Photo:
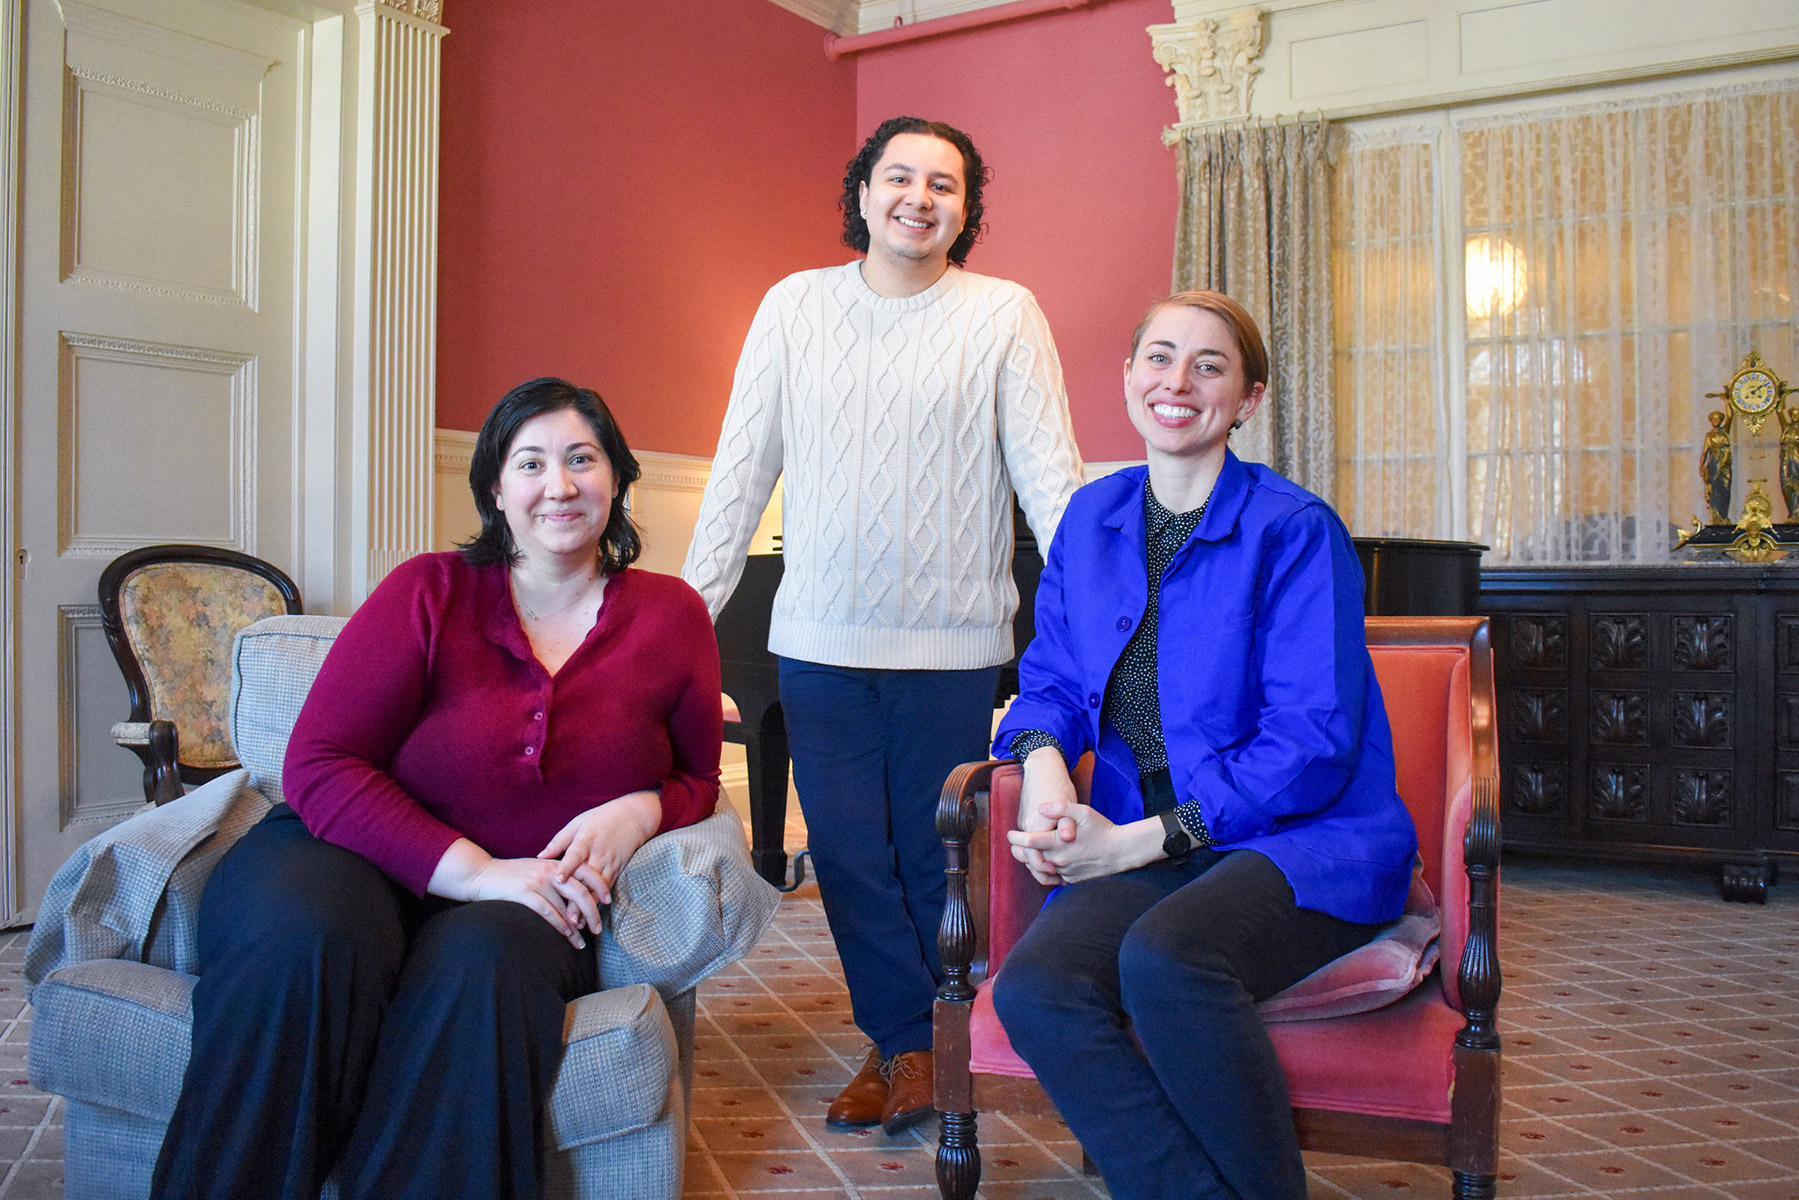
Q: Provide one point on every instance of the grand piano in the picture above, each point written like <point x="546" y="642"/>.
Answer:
<point x="1403" y="577"/>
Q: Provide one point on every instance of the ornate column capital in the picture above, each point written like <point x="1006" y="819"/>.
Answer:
<point x="429" y="11"/>
<point x="1212" y="65"/>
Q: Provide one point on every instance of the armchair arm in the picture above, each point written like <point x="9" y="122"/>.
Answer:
<point x="687" y="905"/>
<point x="133" y="892"/>
<point x="962" y="935"/>
<point x="158" y="745"/>
<point x="1475" y="1102"/>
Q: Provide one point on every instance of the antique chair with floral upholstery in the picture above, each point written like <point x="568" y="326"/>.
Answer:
<point x="170" y="613"/>
<point x="1377" y="1066"/>
<point x="112" y="959"/>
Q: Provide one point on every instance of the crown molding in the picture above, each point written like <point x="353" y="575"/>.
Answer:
<point x="834" y="16"/>
<point x="847" y="17"/>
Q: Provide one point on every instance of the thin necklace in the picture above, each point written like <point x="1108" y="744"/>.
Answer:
<point x="534" y="615"/>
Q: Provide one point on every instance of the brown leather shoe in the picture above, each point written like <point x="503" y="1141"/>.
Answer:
<point x="911" y="1083"/>
<point x="863" y="1099"/>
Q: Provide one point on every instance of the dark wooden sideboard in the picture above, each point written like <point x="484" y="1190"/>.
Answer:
<point x="1651" y="714"/>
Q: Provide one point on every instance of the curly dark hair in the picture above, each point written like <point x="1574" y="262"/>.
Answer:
<point x="620" y="543"/>
<point x="976" y="175"/>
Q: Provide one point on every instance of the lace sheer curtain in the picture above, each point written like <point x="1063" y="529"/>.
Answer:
<point x="1393" y="421"/>
<point x="1254" y="223"/>
<point x="1617" y="260"/>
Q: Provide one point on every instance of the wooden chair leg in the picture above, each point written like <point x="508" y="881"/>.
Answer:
<point x="1475" y="1187"/>
<point x="958" y="1156"/>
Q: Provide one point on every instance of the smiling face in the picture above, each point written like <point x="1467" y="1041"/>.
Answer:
<point x="556" y="488"/>
<point x="1186" y="384"/>
<point x="914" y="201"/>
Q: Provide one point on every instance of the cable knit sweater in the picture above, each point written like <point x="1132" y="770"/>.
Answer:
<point x="903" y="425"/>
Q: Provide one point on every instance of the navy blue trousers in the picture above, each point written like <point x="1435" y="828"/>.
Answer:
<point x="871" y="749"/>
<point x="1187" y="1099"/>
<point x="340" y="1022"/>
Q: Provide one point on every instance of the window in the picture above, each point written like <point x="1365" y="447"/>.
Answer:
<point x="1613" y="262"/>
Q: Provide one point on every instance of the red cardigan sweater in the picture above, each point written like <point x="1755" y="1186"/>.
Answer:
<point x="432" y="720"/>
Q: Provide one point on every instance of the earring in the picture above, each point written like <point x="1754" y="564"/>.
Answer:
<point x="1236" y="424"/>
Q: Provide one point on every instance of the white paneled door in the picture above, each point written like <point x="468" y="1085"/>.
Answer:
<point x="156" y="353"/>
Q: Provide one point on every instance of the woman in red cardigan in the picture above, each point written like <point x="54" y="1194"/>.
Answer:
<point x="385" y="959"/>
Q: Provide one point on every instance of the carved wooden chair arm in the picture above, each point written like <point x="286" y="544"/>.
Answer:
<point x="1474" y="1137"/>
<point x="958" y="938"/>
<point x="158" y="745"/>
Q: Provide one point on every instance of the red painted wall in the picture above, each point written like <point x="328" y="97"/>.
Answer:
<point x="621" y="182"/>
<point x="1068" y="110"/>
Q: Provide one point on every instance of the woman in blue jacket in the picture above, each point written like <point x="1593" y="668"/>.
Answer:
<point x="1200" y="629"/>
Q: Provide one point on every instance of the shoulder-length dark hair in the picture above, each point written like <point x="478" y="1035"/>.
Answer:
<point x="975" y="176"/>
<point x="619" y="542"/>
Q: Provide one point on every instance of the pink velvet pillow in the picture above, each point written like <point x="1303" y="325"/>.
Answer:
<point x="1370" y="976"/>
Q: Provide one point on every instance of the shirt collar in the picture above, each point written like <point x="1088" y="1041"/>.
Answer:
<point x="1158" y="519"/>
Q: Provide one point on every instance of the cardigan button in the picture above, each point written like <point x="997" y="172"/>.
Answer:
<point x="530" y="750"/>
<point x="1124" y="623"/>
<point x="1092" y="699"/>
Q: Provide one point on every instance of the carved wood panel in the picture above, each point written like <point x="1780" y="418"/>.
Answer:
<point x="1537" y="789"/>
<point x="1540" y="642"/>
<point x="1618" y="641"/>
<point x="1701" y="719"/>
<point x="1704" y="643"/>
<point x="1786" y="814"/>
<point x="1619" y="792"/>
<point x="1619" y="718"/>
<point x="1702" y="797"/>
<point x="1540" y="715"/>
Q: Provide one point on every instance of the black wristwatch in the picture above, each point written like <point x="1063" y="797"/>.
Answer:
<point x="1175" y="841"/>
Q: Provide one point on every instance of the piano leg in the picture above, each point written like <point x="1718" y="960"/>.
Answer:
<point x="765" y="753"/>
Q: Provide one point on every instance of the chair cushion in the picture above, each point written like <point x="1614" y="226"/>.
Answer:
<point x="616" y="1074"/>
<point x="1372" y="975"/>
<point x="1396" y="1061"/>
<point x="272" y="668"/>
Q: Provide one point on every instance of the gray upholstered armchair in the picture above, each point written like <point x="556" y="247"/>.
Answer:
<point x="111" y="964"/>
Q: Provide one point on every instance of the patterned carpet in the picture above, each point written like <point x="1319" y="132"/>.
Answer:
<point x="1652" y="1050"/>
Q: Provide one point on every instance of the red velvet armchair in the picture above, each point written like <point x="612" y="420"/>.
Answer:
<point x="1417" y="1080"/>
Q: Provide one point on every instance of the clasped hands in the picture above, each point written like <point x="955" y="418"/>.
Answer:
<point x="1060" y="839"/>
<point x="570" y="878"/>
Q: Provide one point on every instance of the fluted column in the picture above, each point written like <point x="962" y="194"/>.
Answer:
<point x="396" y="284"/>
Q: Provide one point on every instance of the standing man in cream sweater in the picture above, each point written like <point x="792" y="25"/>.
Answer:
<point x="906" y="399"/>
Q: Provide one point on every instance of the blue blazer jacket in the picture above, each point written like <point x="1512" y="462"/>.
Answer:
<point x="1270" y="707"/>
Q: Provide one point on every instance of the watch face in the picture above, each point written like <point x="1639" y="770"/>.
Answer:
<point x="1753" y="391"/>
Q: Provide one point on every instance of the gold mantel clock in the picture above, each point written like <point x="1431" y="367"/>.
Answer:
<point x="1754" y="391"/>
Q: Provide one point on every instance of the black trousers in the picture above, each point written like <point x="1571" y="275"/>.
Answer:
<point x="342" y="1023"/>
<point x="1188" y="1099"/>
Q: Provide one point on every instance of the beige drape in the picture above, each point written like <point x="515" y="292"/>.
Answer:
<point x="1255" y="222"/>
